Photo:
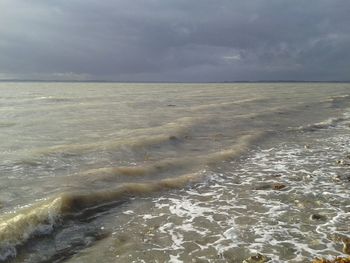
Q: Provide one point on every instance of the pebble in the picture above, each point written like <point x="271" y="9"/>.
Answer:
<point x="318" y="217"/>
<point x="275" y="186"/>
<point x="346" y="247"/>
<point x="173" y="138"/>
<point x="258" y="258"/>
<point x="343" y="162"/>
<point x="278" y="186"/>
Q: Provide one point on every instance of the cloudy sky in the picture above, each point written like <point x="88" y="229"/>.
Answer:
<point x="175" y="40"/>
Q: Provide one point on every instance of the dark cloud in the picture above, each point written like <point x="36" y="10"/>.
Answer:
<point x="183" y="40"/>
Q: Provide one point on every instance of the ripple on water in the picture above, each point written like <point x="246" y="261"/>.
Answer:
<point x="228" y="218"/>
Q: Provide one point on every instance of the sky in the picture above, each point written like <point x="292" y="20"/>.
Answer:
<point x="175" y="40"/>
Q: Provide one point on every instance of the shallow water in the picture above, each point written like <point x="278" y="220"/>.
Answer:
<point x="173" y="172"/>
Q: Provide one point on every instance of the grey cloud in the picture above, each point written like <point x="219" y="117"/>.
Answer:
<point x="183" y="40"/>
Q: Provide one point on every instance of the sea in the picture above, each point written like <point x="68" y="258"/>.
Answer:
<point x="157" y="172"/>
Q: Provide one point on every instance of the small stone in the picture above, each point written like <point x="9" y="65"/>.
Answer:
<point x="307" y="146"/>
<point x="278" y="186"/>
<point x="275" y="186"/>
<point x="335" y="260"/>
<point x="346" y="247"/>
<point x="336" y="177"/>
<point x="258" y="258"/>
<point x="173" y="138"/>
<point x="343" y="162"/>
<point x="318" y="217"/>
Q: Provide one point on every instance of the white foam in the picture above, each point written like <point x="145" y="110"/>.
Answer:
<point x="128" y="212"/>
<point x="175" y="259"/>
<point x="229" y="215"/>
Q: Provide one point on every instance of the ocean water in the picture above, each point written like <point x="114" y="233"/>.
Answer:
<point x="106" y="172"/>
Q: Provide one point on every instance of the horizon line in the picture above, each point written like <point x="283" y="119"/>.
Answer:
<point x="170" y="82"/>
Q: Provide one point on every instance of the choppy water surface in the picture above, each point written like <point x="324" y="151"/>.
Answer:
<point x="173" y="172"/>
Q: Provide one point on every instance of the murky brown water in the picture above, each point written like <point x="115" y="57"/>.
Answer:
<point x="173" y="172"/>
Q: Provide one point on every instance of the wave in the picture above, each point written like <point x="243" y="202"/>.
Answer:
<point x="171" y="164"/>
<point x="179" y="128"/>
<point x="328" y="123"/>
<point x="18" y="228"/>
<point x="42" y="218"/>
<point x="45" y="216"/>
<point x="133" y="138"/>
<point x="335" y="101"/>
<point x="225" y="104"/>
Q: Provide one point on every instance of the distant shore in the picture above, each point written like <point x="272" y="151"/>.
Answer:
<point x="176" y="82"/>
